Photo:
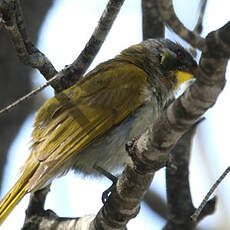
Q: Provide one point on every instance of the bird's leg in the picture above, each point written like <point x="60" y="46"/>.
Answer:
<point x="37" y="201"/>
<point x="111" y="177"/>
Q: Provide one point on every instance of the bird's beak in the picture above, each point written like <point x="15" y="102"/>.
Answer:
<point x="188" y="73"/>
<point x="183" y="76"/>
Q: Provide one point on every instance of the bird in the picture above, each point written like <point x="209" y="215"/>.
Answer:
<point x="88" y="124"/>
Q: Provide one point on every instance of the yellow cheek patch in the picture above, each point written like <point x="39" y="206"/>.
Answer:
<point x="183" y="77"/>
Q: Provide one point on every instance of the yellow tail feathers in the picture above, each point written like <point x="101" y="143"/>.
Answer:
<point x="17" y="192"/>
<point x="12" y="198"/>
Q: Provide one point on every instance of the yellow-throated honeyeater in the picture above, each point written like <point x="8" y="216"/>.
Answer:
<point x="90" y="123"/>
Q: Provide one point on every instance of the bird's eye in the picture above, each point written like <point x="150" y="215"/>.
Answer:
<point x="180" y="54"/>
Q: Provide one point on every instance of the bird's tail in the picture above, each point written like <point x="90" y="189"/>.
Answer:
<point x="17" y="192"/>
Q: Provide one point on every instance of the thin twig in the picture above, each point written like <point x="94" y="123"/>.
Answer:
<point x="196" y="214"/>
<point x="169" y="15"/>
<point x="29" y="95"/>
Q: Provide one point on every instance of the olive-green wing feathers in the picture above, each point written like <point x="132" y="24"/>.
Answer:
<point x="74" y="118"/>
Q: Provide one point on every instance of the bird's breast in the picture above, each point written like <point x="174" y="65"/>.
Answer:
<point x="108" y="151"/>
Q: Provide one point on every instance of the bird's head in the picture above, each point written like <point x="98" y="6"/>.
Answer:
<point x="175" y="63"/>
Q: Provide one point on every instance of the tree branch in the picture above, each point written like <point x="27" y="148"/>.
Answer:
<point x="153" y="25"/>
<point x="38" y="218"/>
<point x="75" y="71"/>
<point x="124" y="202"/>
<point x="199" y="27"/>
<point x="170" y="18"/>
<point x="150" y="152"/>
<point x="15" y="77"/>
<point x="63" y="79"/>
<point x="180" y="205"/>
<point x="28" y="54"/>
<point x="12" y="17"/>
<point x="156" y="203"/>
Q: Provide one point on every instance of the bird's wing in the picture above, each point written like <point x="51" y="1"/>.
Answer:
<point x="74" y="118"/>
